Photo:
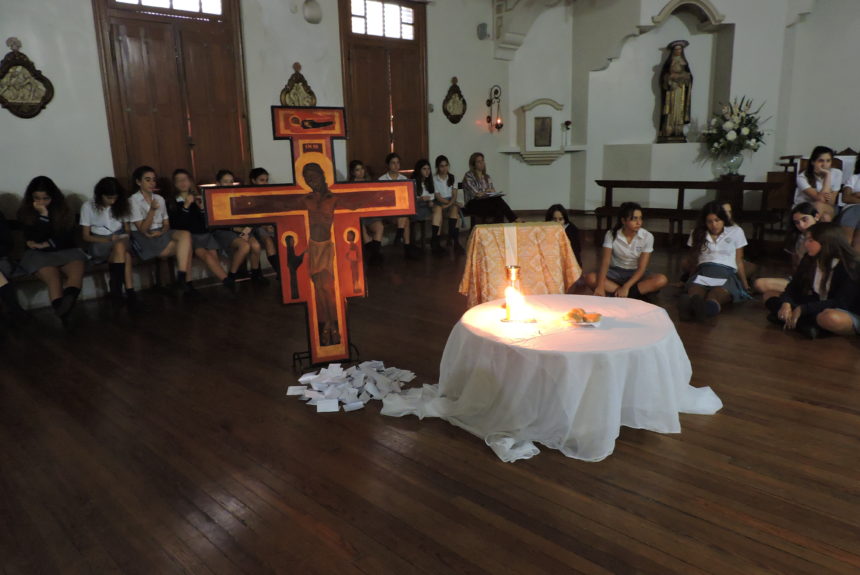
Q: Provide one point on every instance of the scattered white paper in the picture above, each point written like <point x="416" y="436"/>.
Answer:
<point x="328" y="405"/>
<point x="333" y="386"/>
<point x="709" y="282"/>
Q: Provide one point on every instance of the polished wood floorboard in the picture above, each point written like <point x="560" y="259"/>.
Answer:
<point x="163" y="443"/>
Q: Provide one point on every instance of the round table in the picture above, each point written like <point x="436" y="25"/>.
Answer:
<point x="568" y="387"/>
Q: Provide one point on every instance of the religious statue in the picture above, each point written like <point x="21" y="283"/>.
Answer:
<point x="676" y="83"/>
<point x="454" y="105"/>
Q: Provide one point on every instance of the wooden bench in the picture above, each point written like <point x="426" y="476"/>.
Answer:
<point x="727" y="190"/>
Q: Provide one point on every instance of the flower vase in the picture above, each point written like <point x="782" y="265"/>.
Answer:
<point x="732" y="164"/>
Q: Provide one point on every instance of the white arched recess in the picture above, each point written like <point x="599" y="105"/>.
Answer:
<point x="749" y="36"/>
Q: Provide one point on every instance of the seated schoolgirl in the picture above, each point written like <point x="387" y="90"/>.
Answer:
<point x="425" y="196"/>
<point x="557" y="213"/>
<point x="373" y="228"/>
<point x="8" y="297"/>
<point x="820" y="183"/>
<point x="265" y="234"/>
<point x="824" y="295"/>
<point x="849" y="217"/>
<point x="104" y="223"/>
<point x="392" y="164"/>
<point x="187" y="212"/>
<point x="719" y="277"/>
<point x="447" y="203"/>
<point x="49" y="231"/>
<point x="151" y="236"/>
<point x="239" y="241"/>
<point x="802" y="217"/>
<point x="627" y="250"/>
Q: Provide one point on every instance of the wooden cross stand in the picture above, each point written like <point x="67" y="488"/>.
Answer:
<point x="318" y="225"/>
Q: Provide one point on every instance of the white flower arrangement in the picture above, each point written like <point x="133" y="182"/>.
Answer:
<point x="735" y="128"/>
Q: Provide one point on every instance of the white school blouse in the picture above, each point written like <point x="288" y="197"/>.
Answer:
<point x="139" y="209"/>
<point x="723" y="250"/>
<point x="442" y="188"/>
<point x="803" y="184"/>
<point x="626" y="255"/>
<point x="100" y="220"/>
<point x="386" y="178"/>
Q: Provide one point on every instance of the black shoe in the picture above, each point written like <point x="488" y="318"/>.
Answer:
<point x="230" y="284"/>
<point x="66" y="305"/>
<point x="258" y="278"/>
<point x="685" y="307"/>
<point x="773" y="318"/>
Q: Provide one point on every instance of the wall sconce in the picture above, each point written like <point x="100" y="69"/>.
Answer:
<point x="494" y="102"/>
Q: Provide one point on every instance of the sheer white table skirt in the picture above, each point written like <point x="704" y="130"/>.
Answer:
<point x="567" y="387"/>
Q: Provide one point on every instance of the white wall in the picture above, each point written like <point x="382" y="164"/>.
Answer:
<point x="68" y="140"/>
<point x="453" y="49"/>
<point x="541" y="69"/>
<point x="825" y="74"/>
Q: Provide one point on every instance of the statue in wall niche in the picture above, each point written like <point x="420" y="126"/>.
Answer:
<point x="24" y="91"/>
<point x="297" y="92"/>
<point x="676" y="85"/>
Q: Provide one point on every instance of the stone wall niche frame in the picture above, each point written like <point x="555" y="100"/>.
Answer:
<point x="512" y="21"/>
<point x="24" y="91"/>
<point x="540" y="139"/>
<point x="707" y="13"/>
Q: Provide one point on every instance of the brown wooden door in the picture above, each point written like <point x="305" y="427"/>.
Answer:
<point x="153" y="126"/>
<point x="385" y="93"/>
<point x="174" y="87"/>
<point x="216" y="128"/>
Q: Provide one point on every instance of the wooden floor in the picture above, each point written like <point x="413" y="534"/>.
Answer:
<point x="163" y="443"/>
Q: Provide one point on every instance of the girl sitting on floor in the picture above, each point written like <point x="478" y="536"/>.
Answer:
<point x="624" y="261"/>
<point x="824" y="295"/>
<point x="802" y="217"/>
<point x="820" y="183"/>
<point x="49" y="230"/>
<point x="104" y="225"/>
<point x="557" y="213"/>
<point x="720" y="277"/>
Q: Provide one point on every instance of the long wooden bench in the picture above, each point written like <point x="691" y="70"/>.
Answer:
<point x="727" y="190"/>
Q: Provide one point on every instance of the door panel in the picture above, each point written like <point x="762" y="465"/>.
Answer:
<point x="368" y="107"/>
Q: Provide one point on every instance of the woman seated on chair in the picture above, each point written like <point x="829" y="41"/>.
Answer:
<point x="482" y="199"/>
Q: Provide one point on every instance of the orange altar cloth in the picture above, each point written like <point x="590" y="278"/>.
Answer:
<point x="542" y="251"/>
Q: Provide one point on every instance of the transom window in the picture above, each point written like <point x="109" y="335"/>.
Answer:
<point x="388" y="19"/>
<point x="184" y="6"/>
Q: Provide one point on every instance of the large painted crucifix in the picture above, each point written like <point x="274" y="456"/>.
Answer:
<point x="317" y="221"/>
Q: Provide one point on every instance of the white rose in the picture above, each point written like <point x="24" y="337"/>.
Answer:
<point x="732" y="136"/>
<point x="735" y="118"/>
<point x="745" y="131"/>
<point x="728" y="126"/>
<point x="715" y="122"/>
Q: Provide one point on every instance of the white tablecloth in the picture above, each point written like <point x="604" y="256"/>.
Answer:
<point x="569" y="388"/>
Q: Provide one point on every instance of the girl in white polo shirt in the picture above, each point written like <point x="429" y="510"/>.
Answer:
<point x="720" y="276"/>
<point x="104" y="223"/>
<point x="627" y="250"/>
<point x="151" y="236"/>
<point x="820" y="183"/>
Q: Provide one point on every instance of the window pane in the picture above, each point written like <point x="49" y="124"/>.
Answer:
<point x="408" y="33"/>
<point x="188" y="5"/>
<point x="211" y="6"/>
<point x="128" y="1"/>
<point x="357" y="8"/>
<point x="156" y="3"/>
<point x="374" y="17"/>
<point x="406" y="15"/>
<point x="358" y="26"/>
<point x="392" y="21"/>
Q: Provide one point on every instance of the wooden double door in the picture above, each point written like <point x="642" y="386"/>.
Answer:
<point x="385" y="94"/>
<point x="175" y="91"/>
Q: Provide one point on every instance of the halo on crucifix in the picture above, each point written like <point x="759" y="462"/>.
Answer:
<point x="320" y="258"/>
